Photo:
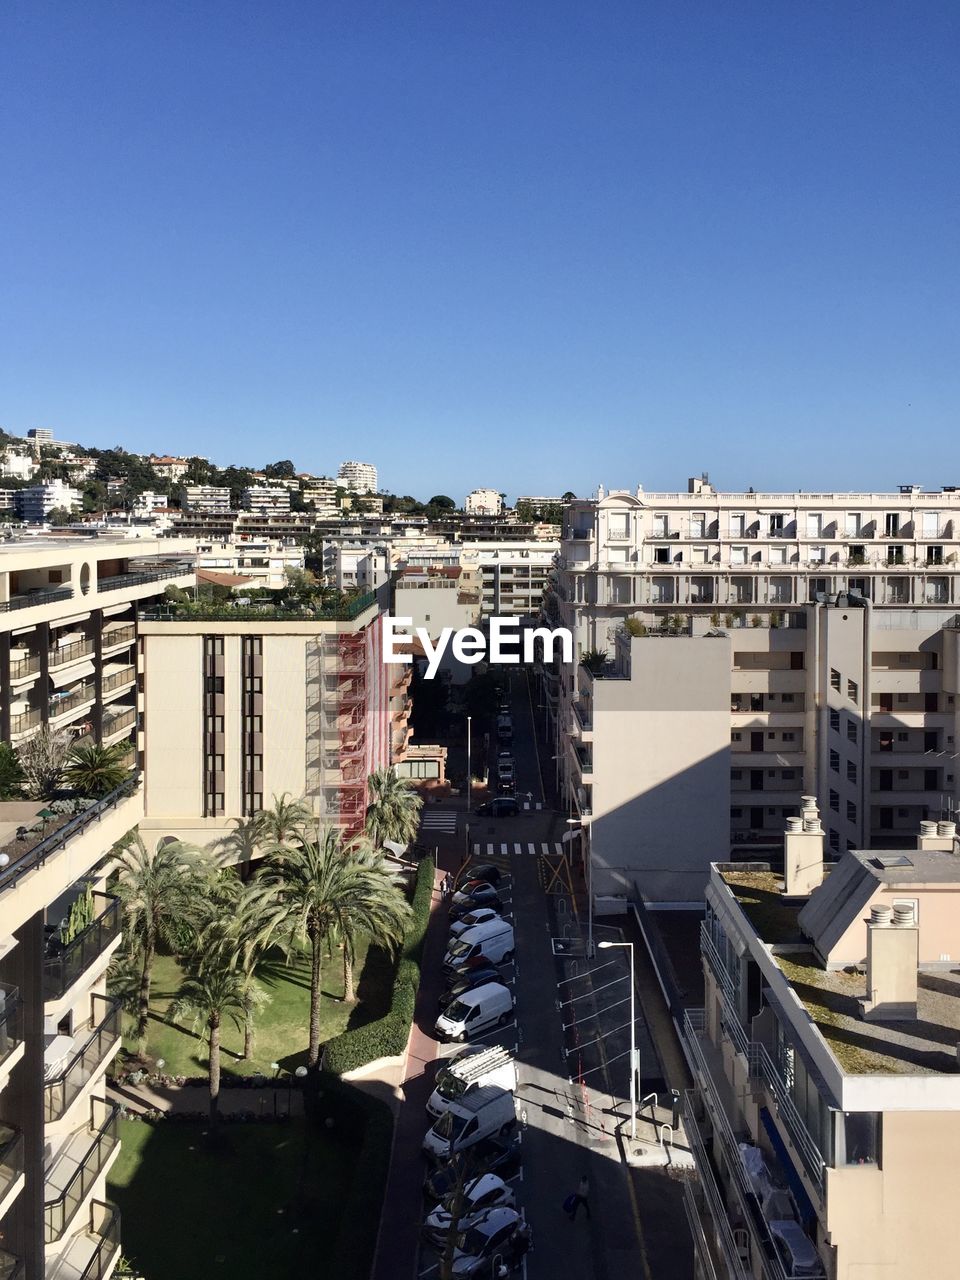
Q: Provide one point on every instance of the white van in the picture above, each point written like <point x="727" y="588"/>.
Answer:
<point x="472" y="1069"/>
<point x="475" y="1011"/>
<point x="479" y="915"/>
<point x="479" y="1115"/>
<point x="492" y="940"/>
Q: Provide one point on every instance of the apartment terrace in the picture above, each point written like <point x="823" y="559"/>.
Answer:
<point x="197" y="611"/>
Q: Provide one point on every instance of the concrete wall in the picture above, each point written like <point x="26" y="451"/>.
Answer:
<point x="661" y="768"/>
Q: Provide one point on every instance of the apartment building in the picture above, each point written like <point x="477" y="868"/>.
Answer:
<point x="483" y="502"/>
<point x="267" y="499"/>
<point x="205" y="497"/>
<point x="842" y="616"/>
<point x="435" y="597"/>
<point x="17" y="466"/>
<point x="35" y="503"/>
<point x="826" y="1094"/>
<point x="239" y="709"/>
<point x="69" y="660"/>
<point x="513" y="575"/>
<point x="358" y="477"/>
<point x="259" y="562"/>
<point x="169" y="468"/>
<point x="321" y="493"/>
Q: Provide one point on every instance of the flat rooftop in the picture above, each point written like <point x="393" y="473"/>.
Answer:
<point x="926" y="1045"/>
<point x="911" y="866"/>
<point x="760" y="895"/>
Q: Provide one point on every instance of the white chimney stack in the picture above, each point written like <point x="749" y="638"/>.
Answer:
<point x="893" y="951"/>
<point x="803" y="851"/>
<point x="937" y="835"/>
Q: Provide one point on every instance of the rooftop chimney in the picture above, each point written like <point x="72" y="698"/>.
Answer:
<point x="937" y="835"/>
<point x="893" y="949"/>
<point x="803" y="851"/>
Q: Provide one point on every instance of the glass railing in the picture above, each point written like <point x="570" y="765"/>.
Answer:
<point x="61" y="1092"/>
<point x="68" y="652"/>
<point x="24" y="721"/>
<point x="11" y="1021"/>
<point x="123" y="635"/>
<point x="119" y="679"/>
<point x="21" y="667"/>
<point x="61" y="970"/>
<point x="59" y="1212"/>
<point x="67" y="702"/>
<point x="762" y="1068"/>
<point x="105" y="1224"/>
<point x="113" y="724"/>
<point x="11" y="1157"/>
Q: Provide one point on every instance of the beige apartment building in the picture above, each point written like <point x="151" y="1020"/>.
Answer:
<point x="840" y="613"/>
<point x="68" y="660"/>
<point x="825" y="1111"/>
<point x="244" y="705"/>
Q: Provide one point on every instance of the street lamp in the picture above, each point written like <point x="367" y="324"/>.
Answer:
<point x="469" y="791"/>
<point x="587" y="857"/>
<point x="633" y="1039"/>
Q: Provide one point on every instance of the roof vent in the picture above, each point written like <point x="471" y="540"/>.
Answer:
<point x="948" y="829"/>
<point x="794" y="824"/>
<point x="880" y="914"/>
<point x="928" y="828"/>
<point x="902" y="915"/>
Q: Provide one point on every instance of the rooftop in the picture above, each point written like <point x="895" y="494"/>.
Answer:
<point x="760" y="895"/>
<point x="924" y="1046"/>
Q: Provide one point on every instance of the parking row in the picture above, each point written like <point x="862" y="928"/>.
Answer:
<point x="473" y="1216"/>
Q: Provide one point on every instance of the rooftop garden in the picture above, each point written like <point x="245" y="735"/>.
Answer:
<point x="302" y="598"/>
<point x="760" y="895"/>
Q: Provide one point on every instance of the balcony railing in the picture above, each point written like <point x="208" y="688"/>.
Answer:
<point x="119" y="679"/>
<point x="33" y="598"/>
<point x="61" y="971"/>
<point x="38" y="855"/>
<point x="60" y="706"/>
<point x="60" y="1093"/>
<point x="121" y="580"/>
<point x="11" y="1020"/>
<point x="763" y="1069"/>
<point x="122" y="635"/>
<point x="720" y="971"/>
<point x="21" y="667"/>
<point x="68" y="652"/>
<point x="105" y="1225"/>
<point x="11" y="1158"/>
<point x="24" y="721"/>
<point x="713" y="1196"/>
<point x="114" y="723"/>
<point x="59" y="1212"/>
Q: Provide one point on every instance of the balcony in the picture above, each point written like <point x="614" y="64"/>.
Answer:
<point x="94" y="1044"/>
<point x="11" y="1268"/>
<point x="62" y="703"/>
<point x="65" y="964"/>
<point x="35" y="597"/>
<point x="11" y="1163"/>
<point x="117" y="721"/>
<point x="763" y="1070"/>
<point x="74" y="1170"/>
<point x="92" y="1254"/>
<point x="118" y="679"/>
<point x="122" y="635"/>
<point x="24" y="722"/>
<point x="21" y="668"/>
<point x="11" y="1021"/>
<point x="69" y="652"/>
<point x="121" y="580"/>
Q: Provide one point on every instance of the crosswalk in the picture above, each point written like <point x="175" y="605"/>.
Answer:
<point x="518" y="849"/>
<point x="444" y="820"/>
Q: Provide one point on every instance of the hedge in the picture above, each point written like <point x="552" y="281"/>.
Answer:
<point x="353" y="1252"/>
<point x="387" y="1036"/>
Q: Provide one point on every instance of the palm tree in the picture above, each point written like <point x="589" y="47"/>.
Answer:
<point x="242" y="845"/>
<point x="212" y="991"/>
<point x="318" y="888"/>
<point x="283" y="820"/>
<point x="382" y="916"/>
<point x="95" y="771"/>
<point x="394" y="810"/>
<point x="237" y="932"/>
<point x="161" y="891"/>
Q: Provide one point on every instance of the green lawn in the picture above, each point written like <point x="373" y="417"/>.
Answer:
<point x="265" y="1205"/>
<point x="281" y="1026"/>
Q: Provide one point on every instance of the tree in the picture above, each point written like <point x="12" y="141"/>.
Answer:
<point x="43" y="759"/>
<point x="161" y="892"/>
<point x="235" y="929"/>
<point x="284" y="470"/>
<point x="569" y="496"/>
<point x="394" y="809"/>
<point x="382" y="915"/>
<point x="443" y="502"/>
<point x="283" y="821"/>
<point x="212" y="992"/>
<point x="96" y="771"/>
<point x="594" y="660"/>
<point x="317" y="889"/>
<point x="59" y="516"/>
<point x="301" y="584"/>
<point x="11" y="774"/>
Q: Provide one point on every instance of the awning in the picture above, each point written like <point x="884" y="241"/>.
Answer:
<point x="72" y="621"/>
<point x="67" y="674"/>
<point x="117" y="608"/>
<point x="395" y="847"/>
<point x="62" y="638"/>
<point x="118" y="625"/>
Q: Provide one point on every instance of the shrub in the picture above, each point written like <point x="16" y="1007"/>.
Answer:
<point x="387" y="1036"/>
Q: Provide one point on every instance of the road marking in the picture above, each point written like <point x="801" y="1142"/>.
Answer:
<point x="439" y="820"/>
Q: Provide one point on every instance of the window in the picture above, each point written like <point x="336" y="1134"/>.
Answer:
<point x="796" y="659"/>
<point x="885" y="780"/>
<point x="834" y="720"/>
<point x="698" y="524"/>
<point x="661" y="555"/>
<point x="834" y="679"/>
<point x="851" y="811"/>
<point x="853" y="690"/>
<point x="931" y="524"/>
<point x="859" y="1138"/>
<point x="834" y="841"/>
<point x="788" y="775"/>
<point x="852" y="733"/>
<point x="787" y="697"/>
<point x="618" y="525"/>
<point x="818" y="555"/>
<point x="778" y="555"/>
<point x="756" y="702"/>
<point x="814" y="524"/>
<point x="851" y="772"/>
<point x="776" y="525"/>
<point x="835" y="801"/>
<point x="895" y="555"/>
<point x="891" y="524"/>
<point x="661" y="526"/>
<point x="738" y="555"/>
<point x="736" y="737"/>
<point x="789" y="736"/>
<point x="834" y="760"/>
<point x="935" y="554"/>
<point x="738" y="525"/>
<point x="736" y="775"/>
<point x="852" y="525"/>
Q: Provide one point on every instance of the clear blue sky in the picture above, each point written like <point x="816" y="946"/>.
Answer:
<point x="534" y="244"/>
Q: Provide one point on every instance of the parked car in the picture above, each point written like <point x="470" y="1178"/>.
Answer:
<point x="505" y="768"/>
<point x="492" y="942"/>
<point x="796" y="1249"/>
<point x="481" y="1114"/>
<point x="476" y="1011"/>
<point x="479" y="1194"/>
<point x="506" y="786"/>
<point x="498" y="807"/>
<point x="479" y="894"/>
<point x="499" y="1155"/>
<point x="469" y="980"/>
<point x="486" y="871"/>
<point x="494" y="1232"/>
<point x="479" y="915"/>
<point x="472" y="1068"/>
